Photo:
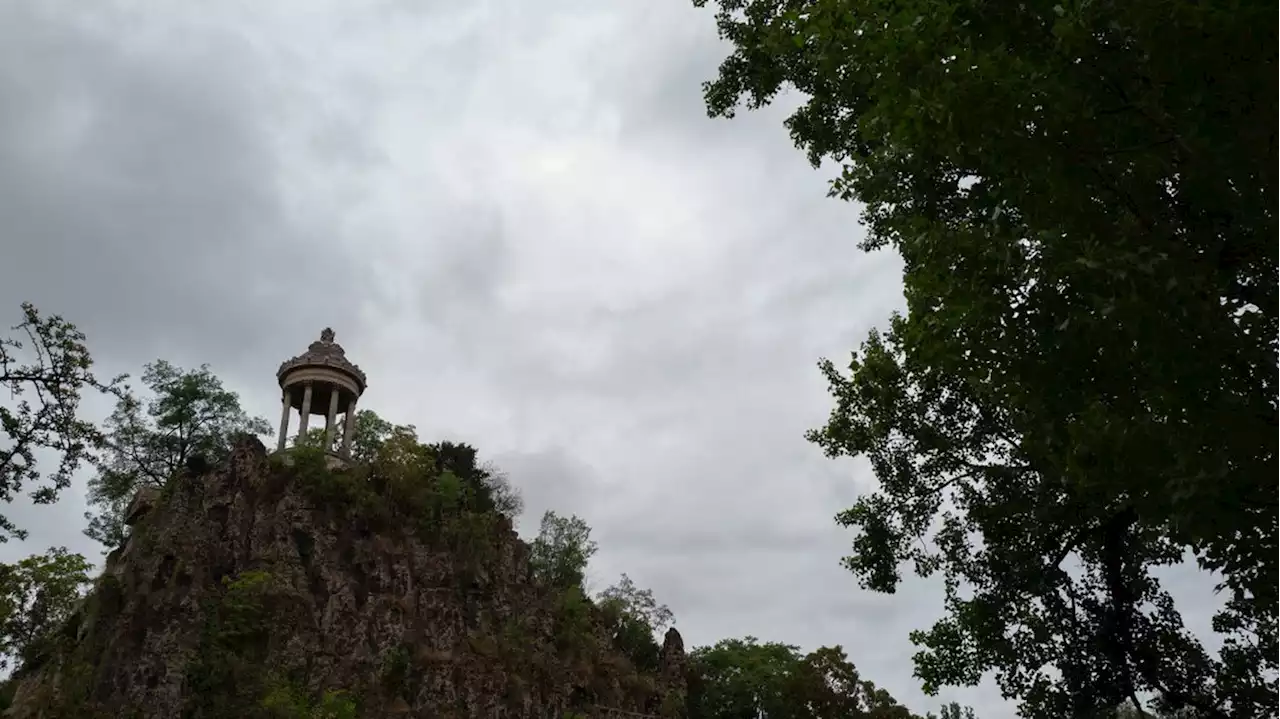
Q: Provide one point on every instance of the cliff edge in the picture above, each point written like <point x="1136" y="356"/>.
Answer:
<point x="274" y="586"/>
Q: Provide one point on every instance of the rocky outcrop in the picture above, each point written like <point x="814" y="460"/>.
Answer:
<point x="260" y="589"/>
<point x="673" y="672"/>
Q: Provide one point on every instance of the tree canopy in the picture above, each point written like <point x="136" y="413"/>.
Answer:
<point x="371" y="433"/>
<point x="639" y="603"/>
<point x="1083" y="195"/>
<point x="633" y="618"/>
<point x="37" y="595"/>
<point x="394" y="451"/>
<point x="561" y="551"/>
<point x="189" y="415"/>
<point x="45" y="369"/>
<point x="746" y="679"/>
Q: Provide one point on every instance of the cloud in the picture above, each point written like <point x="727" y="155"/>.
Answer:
<point x="140" y="188"/>
<point x="524" y="228"/>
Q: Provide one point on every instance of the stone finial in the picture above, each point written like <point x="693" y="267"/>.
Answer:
<point x="673" y="681"/>
<point x="324" y="352"/>
<point x="673" y="644"/>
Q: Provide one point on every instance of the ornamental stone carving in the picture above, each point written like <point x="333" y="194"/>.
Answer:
<point x="324" y="353"/>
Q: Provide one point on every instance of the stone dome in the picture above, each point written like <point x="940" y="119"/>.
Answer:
<point x="324" y="353"/>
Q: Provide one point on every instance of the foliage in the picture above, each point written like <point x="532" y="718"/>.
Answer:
<point x="952" y="711"/>
<point x="37" y="595"/>
<point x="639" y="603"/>
<point x="744" y="678"/>
<point x="315" y="438"/>
<point x="370" y="432"/>
<point x="492" y="487"/>
<point x="573" y="614"/>
<point x="190" y="417"/>
<point x="8" y="688"/>
<point x="395" y="450"/>
<point x="286" y="701"/>
<point x="73" y="653"/>
<point x="1130" y="709"/>
<point x="227" y="676"/>
<point x="440" y="492"/>
<point x="227" y="670"/>
<point x="1083" y="197"/>
<point x="47" y="389"/>
<point x="561" y="551"/>
<point x="632" y="616"/>
<point x="444" y="496"/>
<point x="505" y="496"/>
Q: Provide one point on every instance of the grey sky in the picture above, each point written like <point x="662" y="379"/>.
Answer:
<point x="521" y="224"/>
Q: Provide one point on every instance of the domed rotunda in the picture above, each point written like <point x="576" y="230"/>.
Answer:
<point x="321" y="381"/>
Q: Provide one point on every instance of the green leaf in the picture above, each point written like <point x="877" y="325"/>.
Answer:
<point x="1083" y="197"/>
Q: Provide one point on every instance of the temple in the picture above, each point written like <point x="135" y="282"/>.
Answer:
<point x="321" y="381"/>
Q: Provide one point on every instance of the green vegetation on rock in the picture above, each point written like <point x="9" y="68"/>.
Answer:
<point x="436" y="491"/>
<point x="286" y="701"/>
<point x="229" y="676"/>
<point x="190" y="417"/>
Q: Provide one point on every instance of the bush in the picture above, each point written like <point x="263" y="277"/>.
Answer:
<point x="285" y="700"/>
<point x="573" y="625"/>
<point x="437" y="492"/>
<point x="227" y="668"/>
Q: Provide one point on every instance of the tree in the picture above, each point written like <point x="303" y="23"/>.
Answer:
<point x="494" y="490"/>
<point x="633" y="618"/>
<point x="47" y="387"/>
<point x="190" y="416"/>
<point x="1130" y="709"/>
<point x="746" y="679"/>
<point x="952" y="711"/>
<point x="392" y="446"/>
<point x="1083" y="197"/>
<point x="315" y="438"/>
<point x="506" y="497"/>
<point x="37" y="595"/>
<point x="638" y="603"/>
<point x="370" y="432"/>
<point x="561" y="551"/>
<point x="741" y="679"/>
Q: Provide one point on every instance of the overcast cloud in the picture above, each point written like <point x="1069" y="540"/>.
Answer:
<point x="520" y="223"/>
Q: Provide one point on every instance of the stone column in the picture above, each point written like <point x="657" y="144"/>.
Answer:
<point x="332" y="417"/>
<point x="349" y="429"/>
<point x="306" y="412"/>
<point x="284" y="422"/>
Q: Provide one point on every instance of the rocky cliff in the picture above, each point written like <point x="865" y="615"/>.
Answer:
<point x="272" y="588"/>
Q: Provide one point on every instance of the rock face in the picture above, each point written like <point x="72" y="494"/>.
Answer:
<point x="257" y="590"/>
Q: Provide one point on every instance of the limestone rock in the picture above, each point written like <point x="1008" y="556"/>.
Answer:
<point x="142" y="503"/>
<point x="244" y="589"/>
